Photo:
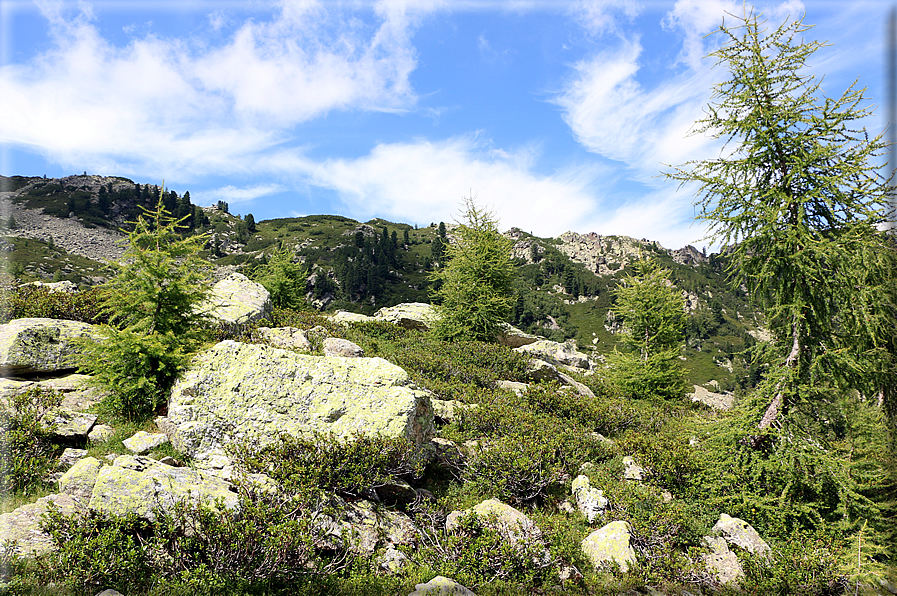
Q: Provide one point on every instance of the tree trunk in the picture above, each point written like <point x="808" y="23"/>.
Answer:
<point x="777" y="404"/>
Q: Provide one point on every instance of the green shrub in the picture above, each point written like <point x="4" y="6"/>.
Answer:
<point x="28" y="451"/>
<point x="352" y="467"/>
<point x="803" y="564"/>
<point x="36" y="301"/>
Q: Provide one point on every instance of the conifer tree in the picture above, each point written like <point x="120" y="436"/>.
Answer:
<point x="476" y="281"/>
<point x="797" y="200"/>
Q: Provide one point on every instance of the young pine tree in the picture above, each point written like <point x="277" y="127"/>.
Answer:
<point x="476" y="280"/>
<point x="653" y="315"/>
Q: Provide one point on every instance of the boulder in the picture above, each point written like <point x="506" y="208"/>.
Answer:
<point x="576" y="385"/>
<point x="722" y="563"/>
<point x="717" y="401"/>
<point x="539" y="370"/>
<point x="361" y="527"/>
<point x="334" y="346"/>
<point x="70" y="457"/>
<point x="556" y="353"/>
<point x="62" y="287"/>
<point x="632" y="471"/>
<point x="410" y="315"/>
<point x="289" y="338"/>
<point x="514" y="338"/>
<point x="233" y="391"/>
<point x="513" y="525"/>
<point x="609" y="545"/>
<point x="68" y="424"/>
<point x="139" y="485"/>
<point x="344" y="316"/>
<point x="22" y="525"/>
<point x="40" y="346"/>
<point x="237" y="299"/>
<point x="441" y="586"/>
<point x="518" y="388"/>
<point x="142" y="441"/>
<point x="589" y="500"/>
<point x="100" y="433"/>
<point x="740" y="533"/>
<point x="80" y="479"/>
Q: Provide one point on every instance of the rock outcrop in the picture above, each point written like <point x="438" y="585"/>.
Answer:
<point x="558" y="354"/>
<point x="234" y="390"/>
<point x="410" y="315"/>
<point x="40" y="346"/>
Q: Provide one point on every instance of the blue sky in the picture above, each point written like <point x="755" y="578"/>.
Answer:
<point x="556" y="115"/>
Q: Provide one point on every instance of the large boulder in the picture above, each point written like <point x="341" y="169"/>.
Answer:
<point x="344" y="316"/>
<point x="410" y="315"/>
<point x="234" y="391"/>
<point x="556" y="353"/>
<point x="741" y="534"/>
<point x="514" y="338"/>
<point x="722" y="563"/>
<point x="22" y="526"/>
<point x="139" y="485"/>
<point x="237" y="299"/>
<point x="40" y="346"/>
<point x="512" y="524"/>
<point x="610" y="545"/>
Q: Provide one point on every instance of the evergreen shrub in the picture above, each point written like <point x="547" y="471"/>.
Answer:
<point x="26" y="447"/>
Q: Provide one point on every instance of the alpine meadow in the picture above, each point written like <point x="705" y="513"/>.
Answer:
<point x="197" y="402"/>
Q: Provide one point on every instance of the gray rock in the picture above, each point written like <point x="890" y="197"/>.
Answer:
<point x="441" y="586"/>
<point x="513" y="525"/>
<point x="70" y="423"/>
<point x="514" y="338"/>
<point x="139" y="485"/>
<point x="233" y="391"/>
<point x="517" y="388"/>
<point x="632" y="470"/>
<point x="80" y="479"/>
<point x="589" y="500"/>
<point x="142" y="442"/>
<point x="40" y="346"/>
<point x="722" y="563"/>
<point x="63" y="287"/>
<point x="110" y="592"/>
<point x="343" y="316"/>
<point x="334" y="346"/>
<point x="717" y="401"/>
<point x="22" y="525"/>
<point x="360" y="527"/>
<point x="289" y="338"/>
<point x="539" y="370"/>
<point x="740" y="533"/>
<point x="70" y="457"/>
<point x="237" y="299"/>
<point x="576" y="385"/>
<point x="410" y="315"/>
<point x="556" y="353"/>
<point x="393" y="560"/>
<point x="610" y="545"/>
<point x="100" y="433"/>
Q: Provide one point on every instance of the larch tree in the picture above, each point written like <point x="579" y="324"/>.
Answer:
<point x="797" y="200"/>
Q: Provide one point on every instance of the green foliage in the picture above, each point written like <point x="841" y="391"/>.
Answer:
<point x="154" y="297"/>
<point x="653" y="316"/>
<point x="283" y="278"/>
<point x="797" y="200"/>
<point x="26" y="447"/>
<point x="352" y="467"/>
<point x="476" y="282"/>
<point x="35" y="301"/>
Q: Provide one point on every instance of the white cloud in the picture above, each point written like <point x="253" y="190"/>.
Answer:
<point x="425" y="181"/>
<point x="233" y="195"/>
<point x="602" y="16"/>
<point x="188" y="108"/>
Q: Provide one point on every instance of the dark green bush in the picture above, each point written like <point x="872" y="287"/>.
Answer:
<point x="803" y="564"/>
<point x="349" y="466"/>
<point x="27" y="447"/>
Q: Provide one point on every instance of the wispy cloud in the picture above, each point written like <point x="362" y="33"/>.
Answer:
<point x="234" y="195"/>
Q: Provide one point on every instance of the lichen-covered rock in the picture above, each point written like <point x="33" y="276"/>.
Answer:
<point x="446" y="409"/>
<point x="100" y="433"/>
<point x="518" y="388"/>
<point x="717" y="401"/>
<point x="40" y="346"/>
<point x="142" y="441"/>
<point x="334" y="346"/>
<point x="441" y="586"/>
<point x="361" y="528"/>
<point x="609" y="545"/>
<point x="556" y="353"/>
<point x="344" y="316"/>
<point x="632" y="471"/>
<point x="70" y="423"/>
<point x="539" y="370"/>
<point x="237" y="299"/>
<point x="513" y="525"/>
<point x="740" y="533"/>
<point x="235" y="390"/>
<point x="410" y="315"/>
<point x="720" y="561"/>
<point x="139" y="485"/>
<point x="576" y="385"/>
<point x="80" y="479"/>
<point x="289" y="338"/>
<point x="514" y="338"/>
<point x="589" y="500"/>
<point x="22" y="525"/>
